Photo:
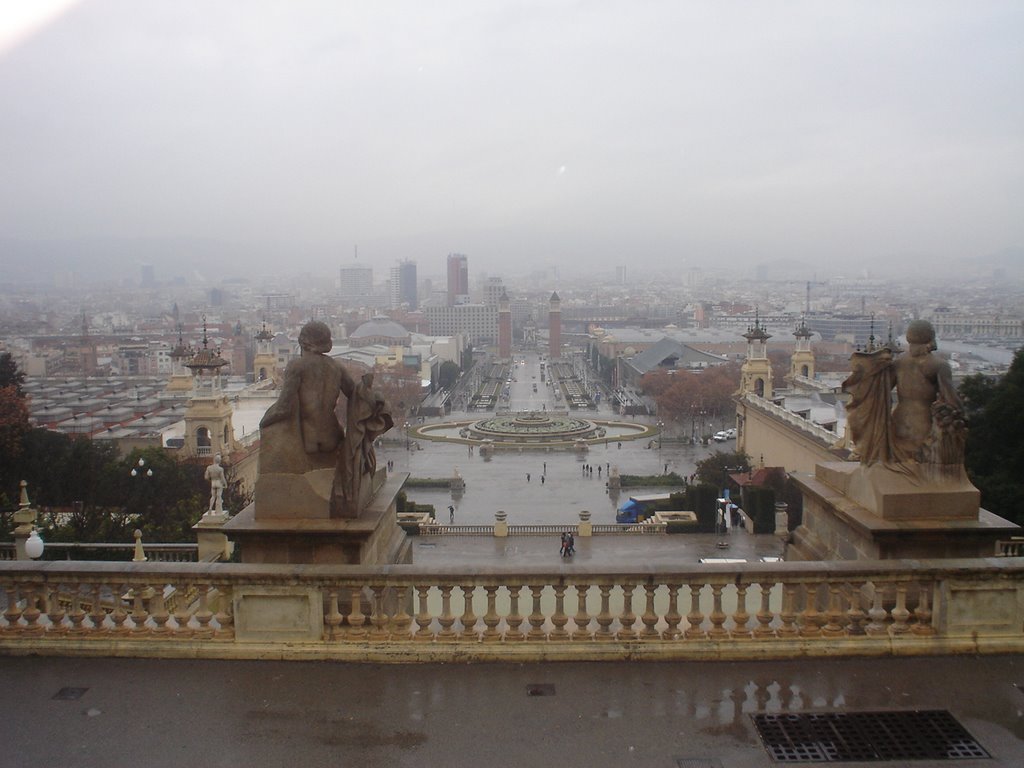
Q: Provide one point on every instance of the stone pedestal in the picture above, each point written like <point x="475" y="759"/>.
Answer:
<point x="213" y="543"/>
<point x="857" y="513"/>
<point x="296" y="533"/>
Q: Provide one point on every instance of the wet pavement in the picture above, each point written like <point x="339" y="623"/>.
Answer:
<point x="217" y="713"/>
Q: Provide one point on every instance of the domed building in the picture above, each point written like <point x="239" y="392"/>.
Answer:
<point x="380" y="330"/>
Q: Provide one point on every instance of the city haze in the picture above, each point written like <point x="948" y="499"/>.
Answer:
<point x="230" y="139"/>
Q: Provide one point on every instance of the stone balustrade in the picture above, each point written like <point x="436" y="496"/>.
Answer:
<point x="815" y="430"/>
<point x="406" y="613"/>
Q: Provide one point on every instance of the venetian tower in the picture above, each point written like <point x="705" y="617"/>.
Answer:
<point x="264" y="363"/>
<point x="504" y="327"/>
<point x="802" y="361"/>
<point x="756" y="373"/>
<point x="555" y="328"/>
<point x="208" y="428"/>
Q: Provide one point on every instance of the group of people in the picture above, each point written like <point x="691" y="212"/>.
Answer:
<point x="588" y="470"/>
<point x="568" y="545"/>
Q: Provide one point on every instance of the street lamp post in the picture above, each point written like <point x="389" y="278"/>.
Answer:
<point x="407" y="435"/>
<point x="661" y="436"/>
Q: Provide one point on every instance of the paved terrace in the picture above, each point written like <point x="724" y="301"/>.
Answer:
<point x="601" y="715"/>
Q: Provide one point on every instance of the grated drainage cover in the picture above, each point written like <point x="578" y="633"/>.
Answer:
<point x="866" y="736"/>
<point x="70" y="694"/>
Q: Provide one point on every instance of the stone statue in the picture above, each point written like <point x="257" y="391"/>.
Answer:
<point x="927" y="425"/>
<point x="215" y="475"/>
<point x="301" y="432"/>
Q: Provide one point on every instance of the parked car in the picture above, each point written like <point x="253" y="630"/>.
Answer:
<point x="720" y="437"/>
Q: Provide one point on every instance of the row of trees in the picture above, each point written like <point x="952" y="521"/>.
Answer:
<point x="691" y="401"/>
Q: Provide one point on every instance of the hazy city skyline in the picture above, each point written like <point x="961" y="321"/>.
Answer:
<point x="578" y="135"/>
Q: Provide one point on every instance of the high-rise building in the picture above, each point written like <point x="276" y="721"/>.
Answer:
<point x="406" y="288"/>
<point x="458" y="279"/>
<point x="493" y="289"/>
<point x="356" y="284"/>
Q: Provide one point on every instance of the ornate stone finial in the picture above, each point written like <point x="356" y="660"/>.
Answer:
<point x="23" y="502"/>
<point x="140" y="554"/>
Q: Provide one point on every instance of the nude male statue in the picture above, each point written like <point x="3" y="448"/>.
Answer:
<point x="215" y="474"/>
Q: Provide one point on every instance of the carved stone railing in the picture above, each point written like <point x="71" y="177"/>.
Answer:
<point x="404" y="613"/>
<point x="828" y="437"/>
<point x="542" y="529"/>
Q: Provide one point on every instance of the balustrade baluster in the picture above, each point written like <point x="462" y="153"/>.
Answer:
<point x="378" y="616"/>
<point x="855" y="614"/>
<point x="536" y="618"/>
<point x="97" y="615"/>
<point x="76" y="614"/>
<point x="809" y="616"/>
<point x="333" y="618"/>
<point x="695" y="618"/>
<point x="181" y="614"/>
<point x="423" y="618"/>
<point x="54" y="612"/>
<point x="788" y="613"/>
<point x="627" y="619"/>
<point x="581" y="619"/>
<point x="763" y="630"/>
<point x="468" y="618"/>
<point x="32" y="613"/>
<point x="604" y="618"/>
<point x="649" y="618"/>
<point x="833" y="625"/>
<point x="13" y="611"/>
<point x="157" y="612"/>
<point x="900" y="614"/>
<point x="356" y="618"/>
<point x="401" y="622"/>
<point x="559" y="619"/>
<point x="672" y="616"/>
<point x="119" y="615"/>
<point x="923" y="613"/>
<point x="447" y="618"/>
<point x="203" y="614"/>
<point x="514" y="620"/>
<point x="741" y="618"/>
<point x="491" y="618"/>
<point x="877" y="612"/>
<point x="717" y="617"/>
<point x="225" y="614"/>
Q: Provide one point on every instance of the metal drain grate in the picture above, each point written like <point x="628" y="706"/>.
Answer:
<point x="70" y="694"/>
<point x="866" y="736"/>
<point x="698" y="762"/>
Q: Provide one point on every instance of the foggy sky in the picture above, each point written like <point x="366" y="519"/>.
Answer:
<point x="586" y="134"/>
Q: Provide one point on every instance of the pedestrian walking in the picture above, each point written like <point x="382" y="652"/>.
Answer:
<point x="451" y="514"/>
<point x="527" y="477"/>
<point x="542" y="479"/>
<point x="570" y="544"/>
<point x="563" y="546"/>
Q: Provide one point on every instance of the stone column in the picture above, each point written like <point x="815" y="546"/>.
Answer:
<point x="781" y="518"/>
<point x="501" y="524"/>
<point x="585" y="529"/>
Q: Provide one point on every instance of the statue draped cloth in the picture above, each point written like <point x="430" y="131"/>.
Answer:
<point x="869" y="411"/>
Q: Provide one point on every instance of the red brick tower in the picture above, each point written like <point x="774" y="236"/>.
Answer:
<point x="555" y="328"/>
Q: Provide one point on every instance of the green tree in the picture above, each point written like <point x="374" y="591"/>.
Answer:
<point x="995" y="439"/>
<point x="715" y="469"/>
<point x="10" y="375"/>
